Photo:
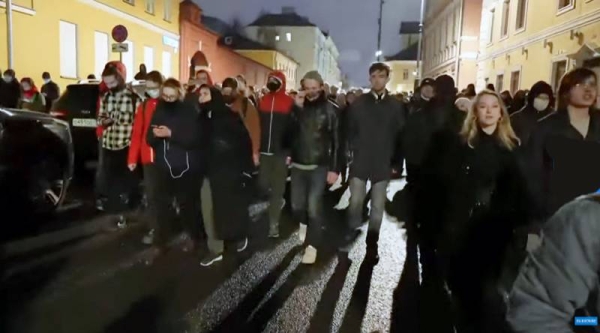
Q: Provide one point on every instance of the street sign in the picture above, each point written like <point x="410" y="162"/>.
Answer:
<point x="120" y="47"/>
<point x="119" y="33"/>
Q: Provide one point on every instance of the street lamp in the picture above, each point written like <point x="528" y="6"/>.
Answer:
<point x="378" y="53"/>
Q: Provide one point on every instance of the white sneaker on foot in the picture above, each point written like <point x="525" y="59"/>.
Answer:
<point x="310" y="255"/>
<point x="302" y="232"/>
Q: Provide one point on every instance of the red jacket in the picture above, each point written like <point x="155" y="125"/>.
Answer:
<point x="139" y="150"/>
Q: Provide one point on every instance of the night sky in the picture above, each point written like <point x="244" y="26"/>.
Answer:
<point x="355" y="33"/>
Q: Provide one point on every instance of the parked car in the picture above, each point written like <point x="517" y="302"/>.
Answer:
<point x="36" y="161"/>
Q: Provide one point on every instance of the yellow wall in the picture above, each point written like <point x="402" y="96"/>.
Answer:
<point x="36" y="37"/>
<point x="397" y="82"/>
<point x="524" y="50"/>
<point x="276" y="61"/>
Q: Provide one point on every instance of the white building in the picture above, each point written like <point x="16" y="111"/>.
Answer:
<point x="302" y="40"/>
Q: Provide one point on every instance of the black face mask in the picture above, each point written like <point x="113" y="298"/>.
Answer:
<point x="273" y="86"/>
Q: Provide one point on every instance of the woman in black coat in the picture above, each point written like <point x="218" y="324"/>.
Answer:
<point x="230" y="166"/>
<point x="472" y="199"/>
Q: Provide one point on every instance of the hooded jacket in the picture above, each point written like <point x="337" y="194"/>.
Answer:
<point x="525" y="121"/>
<point x="139" y="150"/>
<point x="274" y="110"/>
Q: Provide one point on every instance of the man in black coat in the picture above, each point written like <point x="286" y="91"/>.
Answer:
<point x="10" y="90"/>
<point x="375" y="123"/>
<point x="50" y="90"/>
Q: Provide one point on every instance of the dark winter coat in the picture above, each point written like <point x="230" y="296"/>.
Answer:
<point x="525" y="121"/>
<point x="10" y="93"/>
<point x="314" y="134"/>
<point x="229" y="170"/>
<point x="563" y="164"/>
<point x="182" y="149"/>
<point x="274" y="110"/>
<point x="375" y="126"/>
<point x="51" y="92"/>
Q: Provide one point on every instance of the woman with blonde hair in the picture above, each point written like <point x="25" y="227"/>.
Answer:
<point x="476" y="198"/>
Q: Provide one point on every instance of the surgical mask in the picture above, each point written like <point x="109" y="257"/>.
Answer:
<point x="47" y="80"/>
<point x="273" y="85"/>
<point x="7" y="78"/>
<point x="153" y="93"/>
<point x="26" y="87"/>
<point x="540" y="104"/>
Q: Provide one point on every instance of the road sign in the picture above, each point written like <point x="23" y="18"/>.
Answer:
<point x="120" y="47"/>
<point x="119" y="33"/>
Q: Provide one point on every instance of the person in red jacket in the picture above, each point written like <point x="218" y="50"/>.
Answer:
<point x="139" y="150"/>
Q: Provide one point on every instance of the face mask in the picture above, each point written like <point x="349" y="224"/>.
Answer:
<point x="46" y="80"/>
<point x="7" y="78"/>
<point x="273" y="85"/>
<point x="228" y="99"/>
<point x="425" y="98"/>
<point x="540" y="104"/>
<point x="153" y="93"/>
<point x="26" y="88"/>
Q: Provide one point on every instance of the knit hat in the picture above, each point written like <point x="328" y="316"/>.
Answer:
<point x="313" y="75"/>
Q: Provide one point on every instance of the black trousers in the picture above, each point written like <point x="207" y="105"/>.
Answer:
<point x="119" y="183"/>
<point x="186" y="191"/>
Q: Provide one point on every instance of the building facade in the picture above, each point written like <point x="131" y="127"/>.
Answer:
<point x="451" y="39"/>
<point x="300" y="39"/>
<point x="210" y="52"/>
<point x="74" y="37"/>
<point x="274" y="60"/>
<point x="524" y="41"/>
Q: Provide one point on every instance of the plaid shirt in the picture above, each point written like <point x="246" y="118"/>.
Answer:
<point x="120" y="107"/>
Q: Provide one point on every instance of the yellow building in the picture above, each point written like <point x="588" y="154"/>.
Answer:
<point x="524" y="41"/>
<point x="404" y="70"/>
<point x="72" y="38"/>
<point x="271" y="58"/>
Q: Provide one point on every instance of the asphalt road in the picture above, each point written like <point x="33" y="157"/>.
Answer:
<point x="99" y="284"/>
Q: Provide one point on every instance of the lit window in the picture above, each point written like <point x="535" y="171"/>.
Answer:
<point x="128" y="61"/>
<point x="150" y="6"/>
<point x="149" y="58"/>
<point x="277" y="38"/>
<point x="100" y="51"/>
<point x="166" y="64"/>
<point x="288" y="36"/>
<point x="68" y="49"/>
<point x="167" y="10"/>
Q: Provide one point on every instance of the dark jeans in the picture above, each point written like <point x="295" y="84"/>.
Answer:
<point x="308" y="188"/>
<point x="272" y="179"/>
<point x="186" y="191"/>
<point x="151" y="176"/>
<point x="358" y="192"/>
<point x="118" y="182"/>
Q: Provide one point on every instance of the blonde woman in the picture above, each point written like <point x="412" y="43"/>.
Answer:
<point x="474" y="198"/>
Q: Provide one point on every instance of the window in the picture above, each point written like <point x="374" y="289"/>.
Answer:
<point x="505" y="15"/>
<point x="131" y="2"/>
<point x="166" y="64"/>
<point x="515" y="79"/>
<point x="150" y="6"/>
<point x="167" y="10"/>
<point x="405" y="75"/>
<point x="68" y="49"/>
<point x="491" y="36"/>
<point x="559" y="68"/>
<point x="499" y="82"/>
<point x="521" y="14"/>
<point x="288" y="36"/>
<point x="128" y="61"/>
<point x="277" y="38"/>
<point x="564" y="4"/>
<point x="100" y="52"/>
<point x="149" y="58"/>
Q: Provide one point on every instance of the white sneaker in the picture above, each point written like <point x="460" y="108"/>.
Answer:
<point x="122" y="223"/>
<point x="302" y="232"/>
<point x="310" y="256"/>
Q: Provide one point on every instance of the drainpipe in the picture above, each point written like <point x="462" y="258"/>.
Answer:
<point x="420" y="47"/>
<point x="9" y="33"/>
<point x="459" y="43"/>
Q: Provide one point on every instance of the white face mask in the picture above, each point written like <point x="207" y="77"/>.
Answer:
<point x="153" y="93"/>
<point x="540" y="104"/>
<point x="46" y="80"/>
<point x="7" y="78"/>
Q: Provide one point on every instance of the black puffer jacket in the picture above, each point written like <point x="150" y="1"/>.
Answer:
<point x="525" y="120"/>
<point x="314" y="134"/>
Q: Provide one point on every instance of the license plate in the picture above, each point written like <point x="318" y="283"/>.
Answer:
<point x="78" y="122"/>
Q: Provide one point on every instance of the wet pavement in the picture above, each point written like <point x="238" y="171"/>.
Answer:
<point x="99" y="284"/>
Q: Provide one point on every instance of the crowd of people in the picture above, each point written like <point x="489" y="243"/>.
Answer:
<point x="485" y="171"/>
<point x="24" y="94"/>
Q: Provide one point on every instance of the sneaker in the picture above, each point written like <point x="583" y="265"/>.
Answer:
<point x="122" y="224"/>
<point x="211" y="258"/>
<point x="148" y="238"/>
<point x="302" y="232"/>
<point x="242" y="245"/>
<point x="310" y="255"/>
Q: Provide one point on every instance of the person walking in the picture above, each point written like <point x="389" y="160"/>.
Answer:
<point x="315" y="161"/>
<point x="376" y="121"/>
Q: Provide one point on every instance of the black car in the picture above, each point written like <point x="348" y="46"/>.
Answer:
<point x="36" y="161"/>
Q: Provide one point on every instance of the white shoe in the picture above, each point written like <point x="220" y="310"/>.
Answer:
<point x="310" y="255"/>
<point x="302" y="232"/>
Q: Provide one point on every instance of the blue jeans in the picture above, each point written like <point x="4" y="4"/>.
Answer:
<point x="358" y="192"/>
<point x="308" y="187"/>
